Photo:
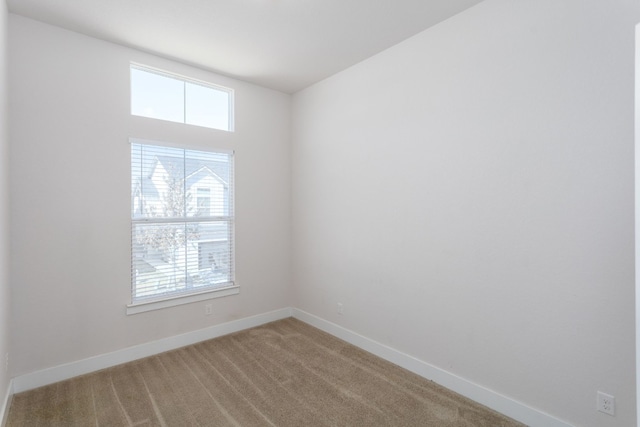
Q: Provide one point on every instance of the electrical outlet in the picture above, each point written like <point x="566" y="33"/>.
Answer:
<point x="208" y="309"/>
<point x="340" y="309"/>
<point x="606" y="403"/>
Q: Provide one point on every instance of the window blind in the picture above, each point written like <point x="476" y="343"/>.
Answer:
<point x="182" y="221"/>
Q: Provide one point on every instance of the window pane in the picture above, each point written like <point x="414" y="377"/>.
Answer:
<point x="206" y="106"/>
<point x="177" y="257"/>
<point x="204" y="202"/>
<point x="156" y="96"/>
<point x="207" y="182"/>
<point x="209" y="255"/>
<point x="158" y="258"/>
<point x="157" y="182"/>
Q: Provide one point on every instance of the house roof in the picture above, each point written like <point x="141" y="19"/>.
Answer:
<point x="192" y="166"/>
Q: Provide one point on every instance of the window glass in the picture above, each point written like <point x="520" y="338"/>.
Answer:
<point x="156" y="96"/>
<point x="163" y="96"/>
<point x="207" y="107"/>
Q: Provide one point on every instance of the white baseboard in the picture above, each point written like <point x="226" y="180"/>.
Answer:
<point x="6" y="404"/>
<point x="63" y="372"/>
<point x="482" y="395"/>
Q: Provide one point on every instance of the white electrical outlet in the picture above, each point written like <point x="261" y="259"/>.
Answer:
<point x="208" y="309"/>
<point x="340" y="309"/>
<point x="606" y="403"/>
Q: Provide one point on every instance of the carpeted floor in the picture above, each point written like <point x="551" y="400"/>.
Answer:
<point x="285" y="373"/>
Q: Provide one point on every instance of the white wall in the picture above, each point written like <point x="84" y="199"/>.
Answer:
<point x="71" y="198"/>
<point x="4" y="208"/>
<point x="468" y="196"/>
<point x="637" y="214"/>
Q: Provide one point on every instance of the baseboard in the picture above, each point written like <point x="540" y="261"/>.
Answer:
<point x="6" y="404"/>
<point x="482" y="395"/>
<point x="63" y="372"/>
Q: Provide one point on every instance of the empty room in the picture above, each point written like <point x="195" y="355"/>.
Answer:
<point x="318" y="212"/>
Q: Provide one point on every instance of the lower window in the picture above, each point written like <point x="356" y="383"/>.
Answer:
<point x="182" y="222"/>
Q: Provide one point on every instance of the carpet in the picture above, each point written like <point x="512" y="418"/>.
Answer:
<point x="284" y="373"/>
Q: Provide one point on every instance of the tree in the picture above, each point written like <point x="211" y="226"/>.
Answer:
<point x="168" y="238"/>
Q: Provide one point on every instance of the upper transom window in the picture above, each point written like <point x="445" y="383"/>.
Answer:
<point x="164" y="96"/>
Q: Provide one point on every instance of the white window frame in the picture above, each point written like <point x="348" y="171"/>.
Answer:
<point x="139" y="305"/>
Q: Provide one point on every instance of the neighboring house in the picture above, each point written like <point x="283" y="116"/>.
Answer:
<point x="169" y="256"/>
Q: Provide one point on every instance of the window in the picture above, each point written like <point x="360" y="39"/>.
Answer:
<point x="160" y="95"/>
<point x="182" y="222"/>
<point x="204" y="201"/>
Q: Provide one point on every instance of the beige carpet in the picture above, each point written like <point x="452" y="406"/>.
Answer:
<point x="285" y="373"/>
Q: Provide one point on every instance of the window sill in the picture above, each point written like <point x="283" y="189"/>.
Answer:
<point x="142" y="307"/>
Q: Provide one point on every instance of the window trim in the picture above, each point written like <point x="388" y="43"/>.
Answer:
<point x="158" y="304"/>
<point x="171" y="300"/>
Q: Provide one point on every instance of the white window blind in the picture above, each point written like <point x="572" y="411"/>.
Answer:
<point x="182" y="222"/>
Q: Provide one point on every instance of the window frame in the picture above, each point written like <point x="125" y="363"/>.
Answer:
<point x="189" y="295"/>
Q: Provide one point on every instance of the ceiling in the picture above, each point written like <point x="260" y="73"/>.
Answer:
<point x="285" y="45"/>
